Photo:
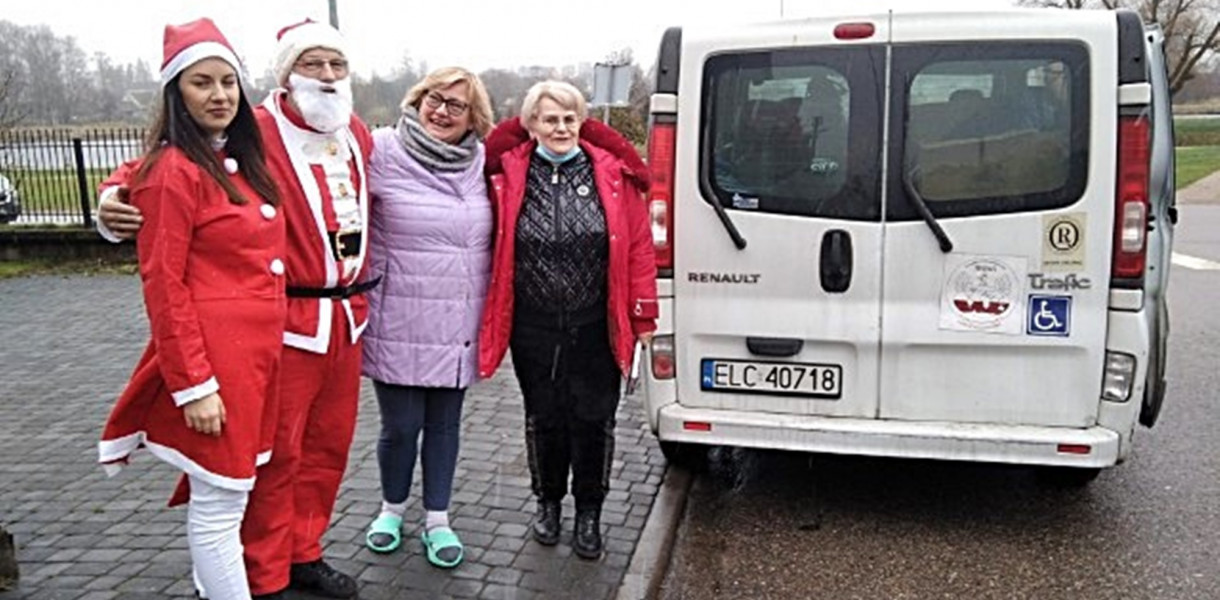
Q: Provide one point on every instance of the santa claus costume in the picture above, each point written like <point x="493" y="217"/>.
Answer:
<point x="317" y="151"/>
<point x="214" y="291"/>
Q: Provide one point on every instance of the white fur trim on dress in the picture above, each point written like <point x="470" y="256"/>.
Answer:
<point x="102" y="230"/>
<point x="196" y="53"/>
<point x="191" y="394"/>
<point x="113" y="454"/>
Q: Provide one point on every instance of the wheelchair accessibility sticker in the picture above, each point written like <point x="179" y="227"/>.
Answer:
<point x="1049" y="315"/>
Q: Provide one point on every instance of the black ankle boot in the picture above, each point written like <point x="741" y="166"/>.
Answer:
<point x="587" y="541"/>
<point x="546" y="523"/>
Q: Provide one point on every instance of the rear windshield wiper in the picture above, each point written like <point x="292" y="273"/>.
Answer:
<point x="921" y="207"/>
<point x="729" y="226"/>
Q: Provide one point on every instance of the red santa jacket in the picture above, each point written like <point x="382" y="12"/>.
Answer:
<point x="622" y="178"/>
<point x="310" y="171"/>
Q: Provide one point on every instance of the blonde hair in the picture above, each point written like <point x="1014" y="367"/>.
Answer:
<point x="481" y="118"/>
<point x="561" y="92"/>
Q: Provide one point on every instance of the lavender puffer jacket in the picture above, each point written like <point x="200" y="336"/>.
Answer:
<point x="430" y="242"/>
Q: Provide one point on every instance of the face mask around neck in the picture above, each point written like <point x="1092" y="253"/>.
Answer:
<point x="559" y="159"/>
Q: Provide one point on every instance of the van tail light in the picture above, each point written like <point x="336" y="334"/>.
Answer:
<point x="1131" y="201"/>
<point x="663" y="357"/>
<point x="1118" y="378"/>
<point x="854" y="31"/>
<point x="661" y="150"/>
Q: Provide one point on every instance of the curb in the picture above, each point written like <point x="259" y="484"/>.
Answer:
<point x="650" y="561"/>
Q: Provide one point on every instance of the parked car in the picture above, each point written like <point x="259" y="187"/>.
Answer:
<point x="10" y="201"/>
<point x="911" y="236"/>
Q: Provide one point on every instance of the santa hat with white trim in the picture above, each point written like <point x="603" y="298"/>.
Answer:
<point x="295" y="39"/>
<point x="189" y="43"/>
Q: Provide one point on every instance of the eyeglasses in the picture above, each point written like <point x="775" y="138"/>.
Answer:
<point x="314" y="66"/>
<point x="569" y="121"/>
<point x="453" y="106"/>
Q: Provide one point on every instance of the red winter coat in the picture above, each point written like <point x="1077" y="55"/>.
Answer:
<point x="622" y="179"/>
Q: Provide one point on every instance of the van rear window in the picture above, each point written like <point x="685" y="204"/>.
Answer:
<point x="990" y="128"/>
<point x="794" y="132"/>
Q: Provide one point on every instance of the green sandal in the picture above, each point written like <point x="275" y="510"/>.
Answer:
<point x="385" y="534"/>
<point x="443" y="547"/>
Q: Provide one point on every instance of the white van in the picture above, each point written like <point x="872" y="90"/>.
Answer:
<point x="931" y="235"/>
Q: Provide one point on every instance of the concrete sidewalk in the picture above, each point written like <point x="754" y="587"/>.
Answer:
<point x="69" y="346"/>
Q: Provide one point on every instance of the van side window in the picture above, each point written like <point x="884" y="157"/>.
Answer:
<point x="993" y="130"/>
<point x="776" y="131"/>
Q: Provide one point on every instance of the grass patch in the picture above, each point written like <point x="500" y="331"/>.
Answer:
<point x="1197" y="131"/>
<point x="55" y="191"/>
<point x="1195" y="163"/>
<point x="26" y="268"/>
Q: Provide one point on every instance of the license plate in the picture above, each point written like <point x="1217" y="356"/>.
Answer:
<point x="755" y="377"/>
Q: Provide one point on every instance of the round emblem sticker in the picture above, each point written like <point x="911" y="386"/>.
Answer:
<point x="983" y="293"/>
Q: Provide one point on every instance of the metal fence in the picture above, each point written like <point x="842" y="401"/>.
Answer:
<point x="56" y="171"/>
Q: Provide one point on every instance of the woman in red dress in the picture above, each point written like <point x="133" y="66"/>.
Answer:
<point x="202" y="396"/>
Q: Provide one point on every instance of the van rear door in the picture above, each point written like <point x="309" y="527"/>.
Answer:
<point x="789" y="144"/>
<point x="1010" y="143"/>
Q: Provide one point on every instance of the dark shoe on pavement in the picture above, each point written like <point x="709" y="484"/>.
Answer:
<point x="320" y="579"/>
<point x="546" y="523"/>
<point x="587" y="541"/>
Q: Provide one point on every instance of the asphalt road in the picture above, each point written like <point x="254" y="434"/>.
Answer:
<point x="783" y="525"/>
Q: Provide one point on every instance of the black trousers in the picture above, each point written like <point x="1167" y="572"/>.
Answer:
<point x="570" y="384"/>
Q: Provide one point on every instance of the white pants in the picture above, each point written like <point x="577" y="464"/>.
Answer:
<point x="213" y="533"/>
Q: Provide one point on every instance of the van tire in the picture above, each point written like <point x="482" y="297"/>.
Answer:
<point x="1067" y="477"/>
<point x="692" y="457"/>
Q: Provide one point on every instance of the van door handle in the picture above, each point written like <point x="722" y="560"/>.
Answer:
<point x="763" y="346"/>
<point x="835" y="261"/>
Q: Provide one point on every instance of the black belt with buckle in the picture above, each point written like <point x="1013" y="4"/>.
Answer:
<point x="340" y="292"/>
<point x="346" y="243"/>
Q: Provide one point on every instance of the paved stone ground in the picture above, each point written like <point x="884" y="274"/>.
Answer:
<point x="68" y="346"/>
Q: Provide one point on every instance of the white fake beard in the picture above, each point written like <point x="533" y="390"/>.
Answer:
<point x="326" y="111"/>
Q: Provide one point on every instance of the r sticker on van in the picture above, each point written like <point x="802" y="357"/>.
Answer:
<point x="983" y="293"/>
<point x="745" y="202"/>
<point x="1063" y="242"/>
<point x="1049" y="316"/>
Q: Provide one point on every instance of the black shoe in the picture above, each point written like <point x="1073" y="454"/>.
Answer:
<point x="320" y="579"/>
<point x="587" y="541"/>
<point x="546" y="523"/>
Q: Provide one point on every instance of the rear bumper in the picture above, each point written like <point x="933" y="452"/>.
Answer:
<point x="1015" y="444"/>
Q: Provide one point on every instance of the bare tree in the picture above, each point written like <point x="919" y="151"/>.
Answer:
<point x="1191" y="27"/>
<point x="10" y="112"/>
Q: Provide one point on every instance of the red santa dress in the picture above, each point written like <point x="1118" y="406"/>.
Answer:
<point x="213" y="281"/>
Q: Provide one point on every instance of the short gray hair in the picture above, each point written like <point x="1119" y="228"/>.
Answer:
<point x="561" y="92"/>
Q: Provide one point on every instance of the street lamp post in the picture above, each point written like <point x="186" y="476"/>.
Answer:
<point x="334" y="13"/>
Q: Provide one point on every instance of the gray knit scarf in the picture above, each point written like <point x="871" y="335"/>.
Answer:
<point x="432" y="153"/>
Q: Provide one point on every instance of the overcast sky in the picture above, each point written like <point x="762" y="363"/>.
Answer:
<point x="476" y="34"/>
